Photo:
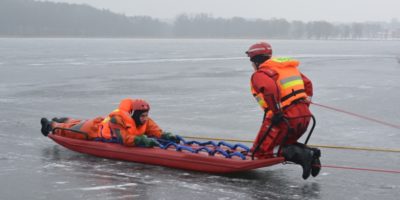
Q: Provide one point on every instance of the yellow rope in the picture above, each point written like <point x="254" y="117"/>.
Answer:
<point x="313" y="145"/>
<point x="357" y="148"/>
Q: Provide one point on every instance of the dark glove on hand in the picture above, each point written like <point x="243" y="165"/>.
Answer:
<point x="277" y="118"/>
<point x="170" y="137"/>
<point x="144" y="141"/>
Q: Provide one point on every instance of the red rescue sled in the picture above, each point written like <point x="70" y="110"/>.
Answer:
<point x="165" y="157"/>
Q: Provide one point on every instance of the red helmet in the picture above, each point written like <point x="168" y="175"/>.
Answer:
<point x="140" y="104"/>
<point x="259" y="49"/>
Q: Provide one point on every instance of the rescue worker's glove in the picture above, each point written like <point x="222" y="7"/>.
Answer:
<point x="170" y="137"/>
<point x="144" y="141"/>
<point x="277" y="118"/>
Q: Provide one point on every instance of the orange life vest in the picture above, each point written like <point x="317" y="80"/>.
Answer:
<point x="289" y="81"/>
<point x="124" y="124"/>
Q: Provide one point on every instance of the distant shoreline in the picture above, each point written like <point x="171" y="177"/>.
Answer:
<point x="42" y="19"/>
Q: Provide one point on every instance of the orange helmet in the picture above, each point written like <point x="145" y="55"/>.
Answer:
<point x="140" y="104"/>
<point x="261" y="48"/>
<point x="130" y="105"/>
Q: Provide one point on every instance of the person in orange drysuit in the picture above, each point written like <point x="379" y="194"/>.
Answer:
<point x="128" y="125"/>
<point x="283" y="92"/>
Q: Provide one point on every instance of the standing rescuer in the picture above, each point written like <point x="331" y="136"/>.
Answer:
<point x="283" y="93"/>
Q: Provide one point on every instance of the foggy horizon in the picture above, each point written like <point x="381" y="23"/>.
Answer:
<point x="313" y="10"/>
<point x="31" y="18"/>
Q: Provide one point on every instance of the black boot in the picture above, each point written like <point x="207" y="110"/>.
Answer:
<point x="316" y="163"/>
<point x="299" y="155"/>
<point x="46" y="126"/>
<point x="59" y="120"/>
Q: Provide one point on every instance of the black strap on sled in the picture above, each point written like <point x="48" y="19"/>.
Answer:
<point x="311" y="130"/>
<point x="291" y="129"/>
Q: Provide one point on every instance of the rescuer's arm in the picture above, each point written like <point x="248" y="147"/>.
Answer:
<point x="307" y="85"/>
<point x="266" y="85"/>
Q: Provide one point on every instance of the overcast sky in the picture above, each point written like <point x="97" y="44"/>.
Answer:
<point x="303" y="10"/>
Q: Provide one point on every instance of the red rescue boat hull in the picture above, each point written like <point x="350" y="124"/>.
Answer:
<point x="168" y="158"/>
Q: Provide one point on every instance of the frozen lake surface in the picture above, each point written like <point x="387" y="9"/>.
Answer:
<point x="195" y="88"/>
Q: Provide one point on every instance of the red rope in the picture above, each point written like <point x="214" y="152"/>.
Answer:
<point x="362" y="169"/>
<point x="357" y="115"/>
